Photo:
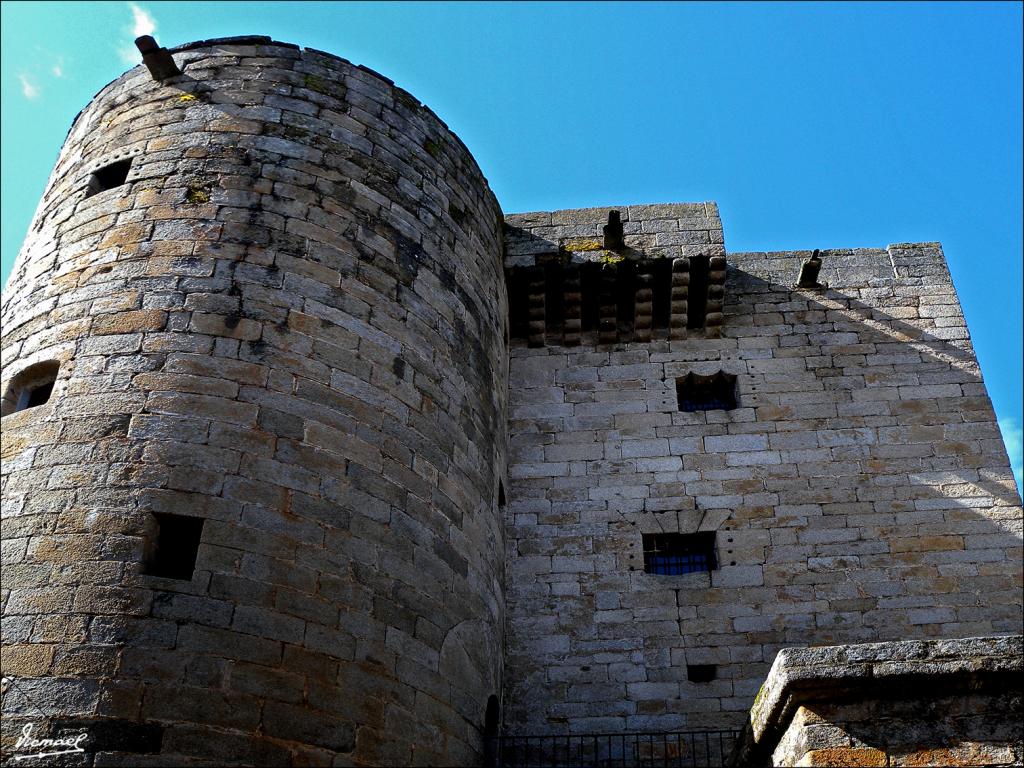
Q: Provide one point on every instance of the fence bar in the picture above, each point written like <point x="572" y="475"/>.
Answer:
<point x="597" y="750"/>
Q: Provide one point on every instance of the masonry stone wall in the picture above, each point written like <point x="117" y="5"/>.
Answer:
<point x="859" y="492"/>
<point x="909" y="703"/>
<point x="288" y="322"/>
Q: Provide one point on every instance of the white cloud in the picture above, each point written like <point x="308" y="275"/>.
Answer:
<point x="1013" y="436"/>
<point x="143" y="23"/>
<point x="130" y="55"/>
<point x="28" y="88"/>
<point x="48" y="60"/>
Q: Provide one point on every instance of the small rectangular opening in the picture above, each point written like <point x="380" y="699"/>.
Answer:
<point x="706" y="393"/>
<point x="108" y="177"/>
<point x="673" y="554"/>
<point x="701" y="673"/>
<point x="172" y="555"/>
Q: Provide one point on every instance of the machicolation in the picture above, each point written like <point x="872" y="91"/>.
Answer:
<point x="312" y="456"/>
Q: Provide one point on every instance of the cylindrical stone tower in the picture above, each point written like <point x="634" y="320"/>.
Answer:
<point x="254" y="395"/>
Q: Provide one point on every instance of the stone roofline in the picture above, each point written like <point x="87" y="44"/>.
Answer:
<point x="660" y="271"/>
<point x="647" y="228"/>
<point x="650" y="230"/>
<point x="265" y="41"/>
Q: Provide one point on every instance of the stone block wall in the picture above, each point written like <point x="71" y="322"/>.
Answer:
<point x="911" y="703"/>
<point x="288" y="322"/>
<point x="663" y="231"/>
<point x="859" y="492"/>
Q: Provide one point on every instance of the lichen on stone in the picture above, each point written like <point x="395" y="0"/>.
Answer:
<point x="582" y="244"/>
<point x="197" y="195"/>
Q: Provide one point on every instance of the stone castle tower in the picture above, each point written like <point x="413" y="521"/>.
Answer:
<point x="311" y="457"/>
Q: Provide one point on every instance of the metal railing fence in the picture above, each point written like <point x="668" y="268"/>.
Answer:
<point x="683" y="749"/>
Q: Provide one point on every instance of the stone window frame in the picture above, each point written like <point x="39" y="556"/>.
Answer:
<point x="23" y="384"/>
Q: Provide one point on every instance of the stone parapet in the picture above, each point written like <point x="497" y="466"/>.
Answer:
<point x="910" y="703"/>
<point x="663" y="231"/>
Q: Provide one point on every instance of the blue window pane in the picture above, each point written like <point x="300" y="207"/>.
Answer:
<point x="673" y="554"/>
<point x="673" y="565"/>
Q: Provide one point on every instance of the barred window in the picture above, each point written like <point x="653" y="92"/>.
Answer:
<point x="672" y="554"/>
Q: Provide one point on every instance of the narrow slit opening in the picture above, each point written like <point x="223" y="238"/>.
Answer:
<point x="661" y="293"/>
<point x="590" y="291"/>
<point x="554" y="299"/>
<point x="697" y="307"/>
<point x="625" y="290"/>
<point x="517" y="300"/>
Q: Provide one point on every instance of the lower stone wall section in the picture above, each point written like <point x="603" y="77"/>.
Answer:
<point x="928" y="703"/>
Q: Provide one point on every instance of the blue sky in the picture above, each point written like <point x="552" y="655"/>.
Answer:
<point x="812" y="125"/>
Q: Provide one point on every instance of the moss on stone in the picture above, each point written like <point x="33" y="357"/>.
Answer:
<point x="406" y="100"/>
<point x="315" y="83"/>
<point x="295" y="132"/>
<point x="197" y="195"/>
<point x="433" y="148"/>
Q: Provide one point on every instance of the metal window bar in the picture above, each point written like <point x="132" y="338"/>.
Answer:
<point x="710" y="404"/>
<point x="696" y="749"/>
<point x="671" y="554"/>
<point x="674" y="565"/>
